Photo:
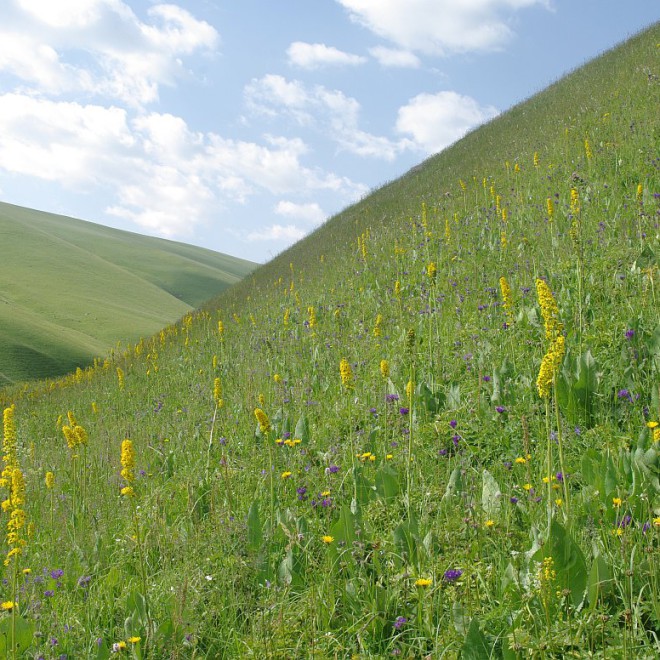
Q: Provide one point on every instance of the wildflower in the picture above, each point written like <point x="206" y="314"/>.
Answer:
<point x="277" y="378"/>
<point x="120" y="378"/>
<point x="377" y="326"/>
<point x="127" y="491"/>
<point x="423" y="582"/>
<point x="327" y="539"/>
<point x="452" y="575"/>
<point x="549" y="310"/>
<point x="399" y="622"/>
<point x="656" y="522"/>
<point x="286" y="474"/>
<point x="550" y="207"/>
<point x="507" y="298"/>
<point x="262" y="418"/>
<point x="217" y="393"/>
<point x="520" y="460"/>
<point x="652" y="425"/>
<point x="8" y="605"/>
<point x="134" y="639"/>
<point x="384" y="368"/>
<point x="617" y="502"/>
<point x="397" y="289"/>
<point x="118" y="647"/>
<point x="127" y="461"/>
<point x="431" y="271"/>
<point x="550" y="366"/>
<point x="346" y="374"/>
<point x="489" y="523"/>
<point x="559" y="502"/>
<point x="409" y="389"/>
<point x="527" y="487"/>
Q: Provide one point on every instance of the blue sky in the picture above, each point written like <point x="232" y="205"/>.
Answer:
<point x="241" y="126"/>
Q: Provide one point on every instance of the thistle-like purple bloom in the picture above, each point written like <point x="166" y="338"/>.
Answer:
<point x="452" y="575"/>
<point x="404" y="411"/>
<point x="57" y="574"/>
<point x="333" y="469"/>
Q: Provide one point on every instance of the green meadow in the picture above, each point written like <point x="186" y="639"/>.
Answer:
<point x="71" y="290"/>
<point x="431" y="429"/>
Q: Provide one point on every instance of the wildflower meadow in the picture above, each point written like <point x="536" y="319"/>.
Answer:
<point x="429" y="430"/>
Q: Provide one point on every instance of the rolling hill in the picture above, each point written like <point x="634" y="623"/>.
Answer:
<point x="429" y="430"/>
<point x="70" y="290"/>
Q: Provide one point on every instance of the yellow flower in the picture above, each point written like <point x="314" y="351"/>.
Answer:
<point x="559" y="501"/>
<point x="277" y="378"/>
<point x="134" y="640"/>
<point x="49" y="479"/>
<point x="8" y="605"/>
<point x="327" y="538"/>
<point x="384" y="368"/>
<point x="127" y="461"/>
<point x="432" y="271"/>
<point x="617" y="502"/>
<point x="127" y="491"/>
<point x="423" y="582"/>
<point x="489" y="523"/>
<point x="527" y="487"/>
<point x="388" y="457"/>
<point x="325" y="493"/>
<point x="286" y="474"/>
<point x="520" y="460"/>
<point x="262" y="418"/>
<point x="656" y="521"/>
<point x="507" y="298"/>
<point x="652" y="425"/>
<point x="346" y="374"/>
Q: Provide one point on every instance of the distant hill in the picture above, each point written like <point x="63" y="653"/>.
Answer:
<point x="70" y="289"/>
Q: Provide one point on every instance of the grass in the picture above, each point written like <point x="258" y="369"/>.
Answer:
<point x="73" y="289"/>
<point x="404" y="490"/>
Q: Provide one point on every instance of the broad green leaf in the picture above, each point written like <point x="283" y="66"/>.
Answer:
<point x="601" y="582"/>
<point x="387" y="482"/>
<point x="491" y="496"/>
<point x="475" y="646"/>
<point x="254" y="527"/>
<point x="302" y="429"/>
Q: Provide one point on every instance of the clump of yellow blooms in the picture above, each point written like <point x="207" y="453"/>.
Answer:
<point x="553" y="333"/>
<point x="507" y="298"/>
<point x="262" y="418"/>
<point x="432" y="271"/>
<point x="127" y="467"/>
<point x="74" y="434"/>
<point x="346" y="374"/>
<point x="311" y="312"/>
<point x="378" y="326"/>
<point x="120" y="378"/>
<point x="217" y="393"/>
<point x="384" y="368"/>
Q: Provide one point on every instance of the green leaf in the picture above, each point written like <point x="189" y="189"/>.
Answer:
<point x="568" y="561"/>
<point x="254" y="527"/>
<point x="491" y="496"/>
<point x="406" y="538"/>
<point x="387" y="483"/>
<point x="601" y="581"/>
<point x="475" y="646"/>
<point x="344" y="528"/>
<point x="454" y="485"/>
<point x="24" y="635"/>
<point x="302" y="429"/>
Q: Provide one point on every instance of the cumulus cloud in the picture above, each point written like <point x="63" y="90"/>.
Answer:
<point x="314" y="56"/>
<point x="440" y="26"/>
<point x="288" y="233"/>
<point x="437" y="120"/>
<point x="99" y="47"/>
<point x="310" y="212"/>
<point x="394" y="57"/>
<point x="162" y="175"/>
<point x="329" y="111"/>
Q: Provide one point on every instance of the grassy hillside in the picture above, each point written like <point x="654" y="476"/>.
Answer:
<point x="428" y="430"/>
<point x="70" y="290"/>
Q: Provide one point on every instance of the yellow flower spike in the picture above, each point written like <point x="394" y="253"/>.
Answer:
<point x="262" y="418"/>
<point x="346" y="374"/>
<point x="49" y="479"/>
<point x="384" y="368"/>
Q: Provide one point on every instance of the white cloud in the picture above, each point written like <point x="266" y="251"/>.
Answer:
<point x="437" y="120"/>
<point x="160" y="174"/>
<point x="440" y="26"/>
<point x="98" y="47"/>
<point x="394" y="57"/>
<point x="311" y="212"/>
<point x="329" y="111"/>
<point x="288" y="233"/>
<point x="314" y="56"/>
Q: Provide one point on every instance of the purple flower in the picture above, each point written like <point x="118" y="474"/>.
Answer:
<point x="455" y="440"/>
<point x="404" y="411"/>
<point x="373" y="411"/>
<point x="333" y="469"/>
<point x="453" y="423"/>
<point x="560" y="477"/>
<point x="513" y="500"/>
<point x="442" y="452"/>
<point x="57" y="574"/>
<point x="84" y="580"/>
<point x="400" y="622"/>
<point x="49" y="593"/>
<point x="391" y="397"/>
<point x="486" y="379"/>
<point x="452" y="574"/>
<point x="500" y="409"/>
<point x="630" y="333"/>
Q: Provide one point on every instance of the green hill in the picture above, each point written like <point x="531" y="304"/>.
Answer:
<point x="70" y="290"/>
<point x="429" y="430"/>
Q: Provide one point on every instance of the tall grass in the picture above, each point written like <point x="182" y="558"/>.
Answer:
<point x="380" y="476"/>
